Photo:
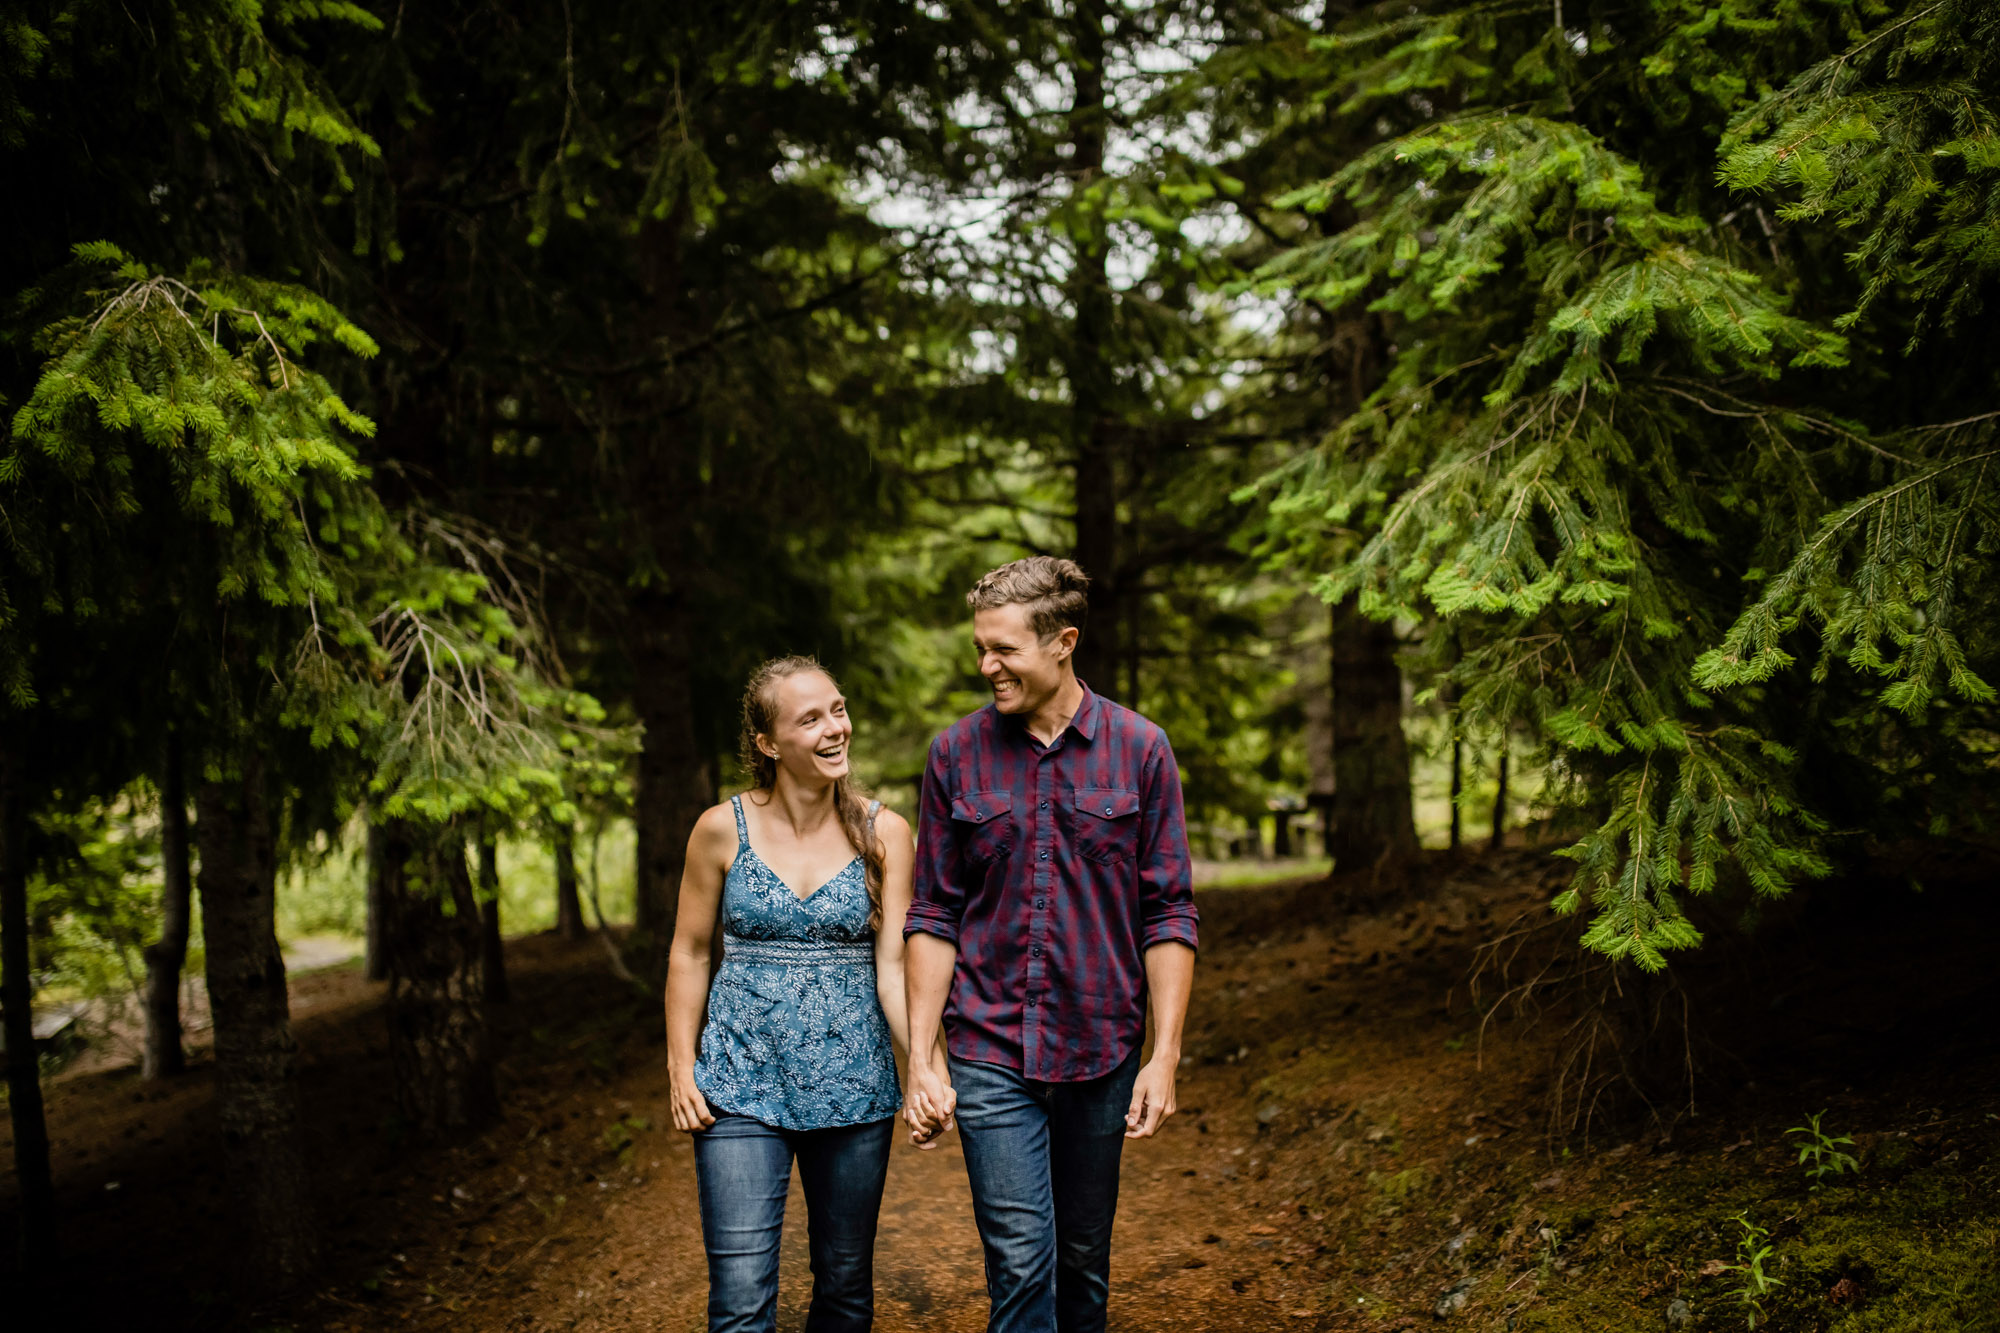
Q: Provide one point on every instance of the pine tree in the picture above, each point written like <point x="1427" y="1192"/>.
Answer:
<point x="638" y="323"/>
<point x="193" y="541"/>
<point x="1641" y="440"/>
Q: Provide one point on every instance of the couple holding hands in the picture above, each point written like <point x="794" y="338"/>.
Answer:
<point x="1012" y="952"/>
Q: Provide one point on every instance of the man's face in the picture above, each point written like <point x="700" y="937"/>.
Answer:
<point x="1024" y="672"/>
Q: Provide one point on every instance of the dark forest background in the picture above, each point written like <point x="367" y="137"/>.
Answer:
<point x="416" y="420"/>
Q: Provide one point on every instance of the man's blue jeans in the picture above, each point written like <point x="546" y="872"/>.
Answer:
<point x="1043" y="1161"/>
<point x="744" y="1167"/>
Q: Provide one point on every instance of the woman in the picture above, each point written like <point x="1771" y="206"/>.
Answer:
<point x="809" y="883"/>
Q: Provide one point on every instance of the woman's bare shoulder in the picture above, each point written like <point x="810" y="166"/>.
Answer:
<point x="716" y="826"/>
<point x="889" y="825"/>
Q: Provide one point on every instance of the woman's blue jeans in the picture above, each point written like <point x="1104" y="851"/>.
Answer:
<point x="744" y="1167"/>
<point x="1043" y="1163"/>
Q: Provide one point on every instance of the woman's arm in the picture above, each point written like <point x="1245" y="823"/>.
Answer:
<point x="899" y="857"/>
<point x="710" y="848"/>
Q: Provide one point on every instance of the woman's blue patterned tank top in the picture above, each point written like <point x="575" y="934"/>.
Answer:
<point x="795" y="1036"/>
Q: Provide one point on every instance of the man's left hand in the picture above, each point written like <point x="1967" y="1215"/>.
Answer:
<point x="1152" y="1099"/>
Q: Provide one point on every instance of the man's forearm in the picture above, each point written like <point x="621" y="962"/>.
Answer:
<point x="1169" y="980"/>
<point x="928" y="963"/>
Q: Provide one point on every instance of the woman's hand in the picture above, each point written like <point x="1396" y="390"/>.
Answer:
<point x="930" y="1107"/>
<point x="691" y="1113"/>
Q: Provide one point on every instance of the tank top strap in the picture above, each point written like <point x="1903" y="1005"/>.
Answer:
<point x="742" y="825"/>
<point x="874" y="809"/>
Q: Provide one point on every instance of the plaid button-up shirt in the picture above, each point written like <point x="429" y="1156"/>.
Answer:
<point x="1053" y="869"/>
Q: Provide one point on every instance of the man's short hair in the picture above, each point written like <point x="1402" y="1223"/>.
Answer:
<point x="1052" y="589"/>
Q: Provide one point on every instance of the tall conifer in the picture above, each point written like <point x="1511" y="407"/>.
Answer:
<point x="1652" y="426"/>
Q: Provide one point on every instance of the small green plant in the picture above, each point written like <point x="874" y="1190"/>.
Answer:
<point x="1819" y="1153"/>
<point x="1551" y="1242"/>
<point x="1753" y="1284"/>
<point x="621" y="1136"/>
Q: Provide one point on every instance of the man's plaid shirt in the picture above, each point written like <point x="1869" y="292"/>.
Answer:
<point x="1053" y="869"/>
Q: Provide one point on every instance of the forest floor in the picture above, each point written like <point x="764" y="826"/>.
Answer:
<point x="1352" y="1152"/>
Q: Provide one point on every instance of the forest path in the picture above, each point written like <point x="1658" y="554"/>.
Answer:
<point x="577" y="1211"/>
<point x="645" y="1269"/>
<point x="1200" y="1245"/>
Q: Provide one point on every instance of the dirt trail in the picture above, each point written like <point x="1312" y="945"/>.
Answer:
<point x="578" y="1210"/>
<point x="1196" y="1246"/>
<point x="644" y="1269"/>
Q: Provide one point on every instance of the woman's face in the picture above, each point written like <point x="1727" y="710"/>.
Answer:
<point x="809" y="729"/>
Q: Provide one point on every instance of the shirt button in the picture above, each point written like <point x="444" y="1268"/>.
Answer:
<point x="1045" y="856"/>
<point x="1038" y="951"/>
<point x="1045" y="805"/>
<point x="1040" y="902"/>
<point x="1031" y="1001"/>
<point x="1107" y="809"/>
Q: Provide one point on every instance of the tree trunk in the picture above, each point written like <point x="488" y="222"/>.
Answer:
<point x="438" y="1044"/>
<point x="1373" y="827"/>
<point x="376" y="958"/>
<point x="167" y="955"/>
<point x="17" y="996"/>
<point x="1097" y="655"/>
<point x="674" y="784"/>
<point x="1457" y="790"/>
<point x="569" y="907"/>
<point x="492" y="947"/>
<point x="256" y="1094"/>
<point x="1500" y="801"/>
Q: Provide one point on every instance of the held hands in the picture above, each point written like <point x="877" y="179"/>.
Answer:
<point x="691" y="1113"/>
<point x="1152" y="1098"/>
<point x="930" y="1107"/>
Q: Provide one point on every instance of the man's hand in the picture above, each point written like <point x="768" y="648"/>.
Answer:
<point x="930" y="1106"/>
<point x="1152" y="1098"/>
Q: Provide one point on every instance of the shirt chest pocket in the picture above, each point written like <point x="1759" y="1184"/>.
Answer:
<point x="1106" y="823"/>
<point x="984" y="823"/>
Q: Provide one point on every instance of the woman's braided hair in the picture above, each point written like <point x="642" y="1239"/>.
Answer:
<point x="760" y="704"/>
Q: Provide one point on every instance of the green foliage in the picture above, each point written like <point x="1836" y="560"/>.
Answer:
<point x="1608" y="416"/>
<point x="237" y="60"/>
<point x="397" y="649"/>
<point x="1896" y="139"/>
<point x="1753" y="1285"/>
<point x="1819" y="1152"/>
<point x="461" y="724"/>
<point x="181" y="473"/>
<point x="1884" y="581"/>
<point x="198" y="383"/>
<point x="1593" y="335"/>
<point x="95" y="898"/>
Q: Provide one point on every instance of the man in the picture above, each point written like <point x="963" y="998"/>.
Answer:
<point x="1053" y="907"/>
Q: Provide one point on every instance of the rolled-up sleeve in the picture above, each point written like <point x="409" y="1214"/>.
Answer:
<point x="938" y="894"/>
<point x="1166" y="874"/>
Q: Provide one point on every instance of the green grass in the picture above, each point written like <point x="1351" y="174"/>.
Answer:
<point x="326" y="897"/>
<point x="1250" y="874"/>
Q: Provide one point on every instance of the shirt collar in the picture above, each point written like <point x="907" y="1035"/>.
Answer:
<point x="1084" y="723"/>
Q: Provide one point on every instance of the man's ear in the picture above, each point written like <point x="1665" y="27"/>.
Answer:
<point x="1067" y="637"/>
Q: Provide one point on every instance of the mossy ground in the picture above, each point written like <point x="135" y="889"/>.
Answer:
<point x="1428" y="1190"/>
